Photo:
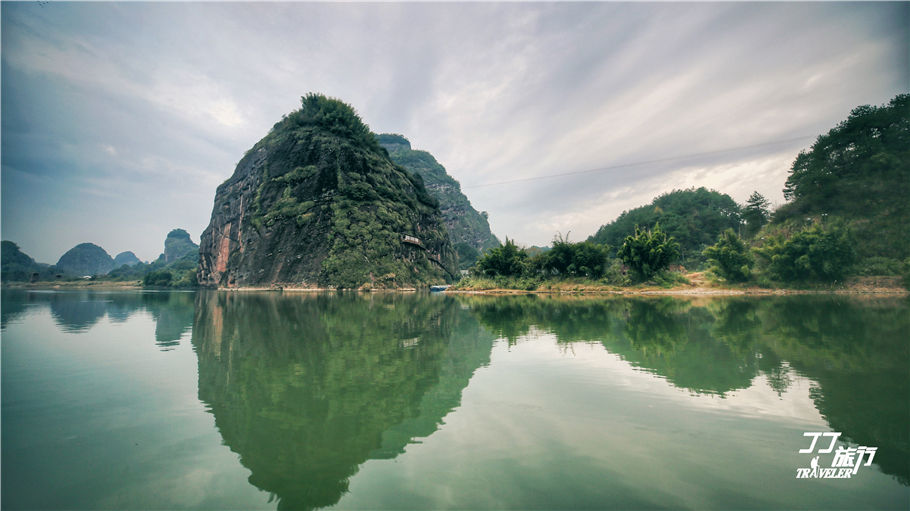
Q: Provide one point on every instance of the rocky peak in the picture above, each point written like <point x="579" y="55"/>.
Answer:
<point x="317" y="202"/>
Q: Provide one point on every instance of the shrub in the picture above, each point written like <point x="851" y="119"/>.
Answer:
<point x="730" y="258"/>
<point x="507" y="260"/>
<point x="648" y="251"/>
<point x="817" y="253"/>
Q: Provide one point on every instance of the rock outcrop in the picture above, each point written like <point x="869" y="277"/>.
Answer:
<point x="317" y="202"/>
<point x="468" y="228"/>
<point x="86" y="259"/>
<point x="177" y="245"/>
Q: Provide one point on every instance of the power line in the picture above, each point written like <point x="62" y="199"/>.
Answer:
<point x="643" y="162"/>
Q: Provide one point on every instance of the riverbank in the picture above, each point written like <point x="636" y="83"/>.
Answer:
<point x="75" y="284"/>
<point x="699" y="284"/>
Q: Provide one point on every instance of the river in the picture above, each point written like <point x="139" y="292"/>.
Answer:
<point x="218" y="400"/>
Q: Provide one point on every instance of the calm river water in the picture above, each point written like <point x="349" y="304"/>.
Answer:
<point x="146" y="400"/>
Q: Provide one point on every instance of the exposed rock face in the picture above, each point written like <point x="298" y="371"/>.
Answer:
<point x="86" y="259"/>
<point x="317" y="202"/>
<point x="176" y="245"/>
<point x="466" y="226"/>
<point x="127" y="258"/>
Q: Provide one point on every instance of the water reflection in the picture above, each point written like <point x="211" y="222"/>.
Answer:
<point x="855" y="350"/>
<point x="78" y="311"/>
<point x="307" y="388"/>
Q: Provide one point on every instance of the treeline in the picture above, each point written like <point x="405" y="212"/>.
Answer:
<point x="847" y="214"/>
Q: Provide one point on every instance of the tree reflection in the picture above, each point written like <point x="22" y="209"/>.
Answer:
<point x="855" y="350"/>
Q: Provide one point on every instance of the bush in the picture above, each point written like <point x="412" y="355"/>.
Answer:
<point x="730" y="258"/>
<point x="880" y="266"/>
<point x="161" y="278"/>
<point x="506" y="260"/>
<point x="585" y="259"/>
<point x="817" y="253"/>
<point x="648" y="251"/>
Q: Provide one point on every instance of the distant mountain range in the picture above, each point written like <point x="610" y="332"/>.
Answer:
<point x="89" y="259"/>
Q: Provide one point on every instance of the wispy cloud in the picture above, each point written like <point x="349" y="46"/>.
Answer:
<point x="149" y="106"/>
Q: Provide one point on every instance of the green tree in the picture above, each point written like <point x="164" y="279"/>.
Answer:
<point x="817" y="253"/>
<point x="694" y="217"/>
<point x="507" y="260"/>
<point x="755" y="214"/>
<point x="584" y="259"/>
<point x="648" y="251"/>
<point x="730" y="257"/>
<point x="860" y="171"/>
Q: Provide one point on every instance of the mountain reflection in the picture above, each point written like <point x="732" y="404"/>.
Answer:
<point x="856" y="350"/>
<point x="78" y="311"/>
<point x="306" y="388"/>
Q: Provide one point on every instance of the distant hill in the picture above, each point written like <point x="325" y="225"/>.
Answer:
<point x="468" y="228"/>
<point x="176" y="246"/>
<point x="15" y="265"/>
<point x="317" y="202"/>
<point x="86" y="259"/>
<point x="128" y="258"/>
<point x="695" y="217"/>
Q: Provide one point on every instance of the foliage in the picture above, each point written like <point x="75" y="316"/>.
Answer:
<point x="331" y="209"/>
<point x="566" y="259"/>
<point x="860" y="171"/>
<point x="86" y="259"/>
<point x="16" y="265"/>
<point x="464" y="223"/>
<point x="648" y="251"/>
<point x="467" y="255"/>
<point x="755" y="214"/>
<point x="881" y="266"/>
<point x="730" y="257"/>
<point x="331" y="115"/>
<point x="506" y="260"/>
<point x="821" y="252"/>
<point x="161" y="278"/>
<point x="693" y="217"/>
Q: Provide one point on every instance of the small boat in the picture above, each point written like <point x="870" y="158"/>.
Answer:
<point x="438" y="289"/>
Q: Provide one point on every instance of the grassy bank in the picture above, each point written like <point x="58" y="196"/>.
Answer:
<point x="695" y="283"/>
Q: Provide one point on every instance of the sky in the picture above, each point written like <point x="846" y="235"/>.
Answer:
<point x="119" y="120"/>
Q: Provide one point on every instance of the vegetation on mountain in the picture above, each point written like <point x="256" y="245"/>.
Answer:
<point x="17" y="266"/>
<point x="178" y="245"/>
<point x="127" y="258"/>
<point x="858" y="171"/>
<point x="86" y="259"/>
<point x="468" y="229"/>
<point x="317" y="202"/>
<point x="693" y="217"/>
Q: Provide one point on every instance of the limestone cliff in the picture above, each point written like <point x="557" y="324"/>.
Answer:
<point x="317" y="202"/>
<point x="468" y="228"/>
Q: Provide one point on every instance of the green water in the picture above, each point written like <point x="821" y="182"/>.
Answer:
<point x="401" y="401"/>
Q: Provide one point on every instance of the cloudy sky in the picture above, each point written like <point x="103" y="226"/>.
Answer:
<point x="120" y="119"/>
